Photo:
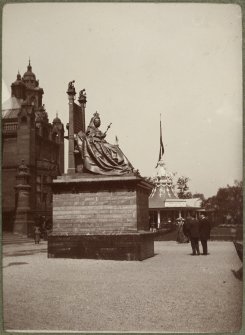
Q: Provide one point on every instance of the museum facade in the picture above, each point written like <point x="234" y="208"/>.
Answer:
<point x="30" y="140"/>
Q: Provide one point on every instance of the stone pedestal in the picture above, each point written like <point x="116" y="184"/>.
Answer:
<point x="23" y="223"/>
<point x="101" y="217"/>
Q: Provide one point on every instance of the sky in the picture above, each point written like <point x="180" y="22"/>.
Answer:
<point x="137" y="61"/>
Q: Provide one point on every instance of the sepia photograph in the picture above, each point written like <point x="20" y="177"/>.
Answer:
<point x="122" y="167"/>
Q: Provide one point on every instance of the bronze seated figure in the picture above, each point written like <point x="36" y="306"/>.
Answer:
<point x="97" y="155"/>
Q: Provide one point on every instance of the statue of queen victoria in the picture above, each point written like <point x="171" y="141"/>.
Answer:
<point x="100" y="207"/>
<point x="97" y="155"/>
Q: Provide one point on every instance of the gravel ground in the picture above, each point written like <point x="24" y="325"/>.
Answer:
<point x="170" y="292"/>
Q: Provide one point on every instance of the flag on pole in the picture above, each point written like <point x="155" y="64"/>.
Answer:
<point x="161" y="152"/>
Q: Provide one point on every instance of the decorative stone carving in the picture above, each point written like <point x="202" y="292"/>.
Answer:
<point x="82" y="97"/>
<point x="71" y="88"/>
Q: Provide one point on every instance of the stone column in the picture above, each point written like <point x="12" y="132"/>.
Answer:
<point x="71" y="158"/>
<point x="158" y="218"/>
<point x="23" y="223"/>
<point x="82" y="101"/>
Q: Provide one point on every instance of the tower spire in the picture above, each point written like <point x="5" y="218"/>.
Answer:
<point x="18" y="75"/>
<point x="29" y="65"/>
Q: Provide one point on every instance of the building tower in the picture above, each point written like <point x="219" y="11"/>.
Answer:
<point x="27" y="135"/>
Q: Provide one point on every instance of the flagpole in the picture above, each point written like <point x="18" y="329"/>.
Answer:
<point x="161" y="152"/>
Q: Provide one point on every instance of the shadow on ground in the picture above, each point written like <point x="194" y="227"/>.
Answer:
<point x="238" y="274"/>
<point x="15" y="263"/>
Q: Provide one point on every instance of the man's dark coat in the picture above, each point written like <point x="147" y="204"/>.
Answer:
<point x="204" y="229"/>
<point x="191" y="228"/>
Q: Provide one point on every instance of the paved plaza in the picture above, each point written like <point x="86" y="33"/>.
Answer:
<point x="171" y="292"/>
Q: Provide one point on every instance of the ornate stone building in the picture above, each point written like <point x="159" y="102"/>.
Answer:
<point x="29" y="138"/>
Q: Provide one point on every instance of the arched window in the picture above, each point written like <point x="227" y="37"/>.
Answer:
<point x="33" y="100"/>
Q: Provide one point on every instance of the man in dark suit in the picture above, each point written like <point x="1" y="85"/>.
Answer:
<point x="204" y="230"/>
<point x="191" y="230"/>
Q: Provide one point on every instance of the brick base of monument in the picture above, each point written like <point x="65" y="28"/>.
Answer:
<point x="101" y="217"/>
<point x="131" y="247"/>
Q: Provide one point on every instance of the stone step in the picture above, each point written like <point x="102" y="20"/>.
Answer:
<point x="10" y="238"/>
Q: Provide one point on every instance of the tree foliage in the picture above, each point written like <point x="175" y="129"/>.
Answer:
<point x="182" y="186"/>
<point x="227" y="203"/>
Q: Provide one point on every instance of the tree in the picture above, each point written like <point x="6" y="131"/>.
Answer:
<point x="182" y="185"/>
<point x="227" y="203"/>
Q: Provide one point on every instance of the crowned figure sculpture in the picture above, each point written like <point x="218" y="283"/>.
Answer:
<point x="100" y="207"/>
<point x="99" y="156"/>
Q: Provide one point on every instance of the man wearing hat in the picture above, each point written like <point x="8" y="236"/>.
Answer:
<point x="204" y="231"/>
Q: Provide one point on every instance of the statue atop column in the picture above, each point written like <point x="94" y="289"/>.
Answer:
<point x="99" y="156"/>
<point x="82" y="96"/>
<point x="71" y="89"/>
